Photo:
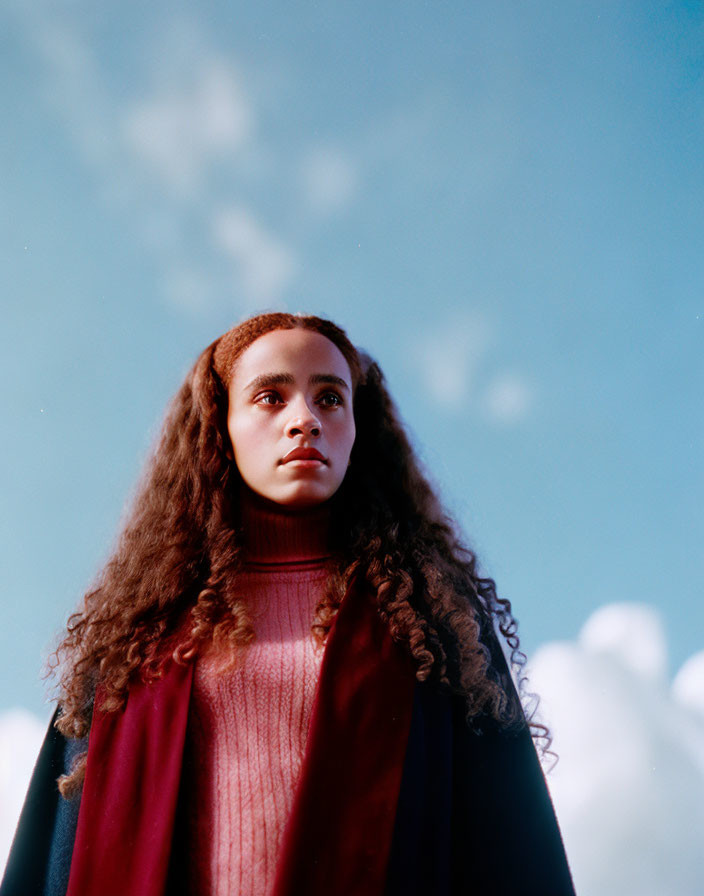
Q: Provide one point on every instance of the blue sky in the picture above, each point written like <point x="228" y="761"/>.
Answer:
<point x="501" y="202"/>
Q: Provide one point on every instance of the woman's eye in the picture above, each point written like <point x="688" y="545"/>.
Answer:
<point x="269" y="398"/>
<point x="330" y="400"/>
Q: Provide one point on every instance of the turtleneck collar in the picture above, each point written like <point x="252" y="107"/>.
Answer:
<point x="277" y="534"/>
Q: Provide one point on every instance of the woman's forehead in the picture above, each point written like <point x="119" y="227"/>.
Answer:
<point x="295" y="351"/>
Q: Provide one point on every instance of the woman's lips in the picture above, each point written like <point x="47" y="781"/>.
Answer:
<point x="304" y="454"/>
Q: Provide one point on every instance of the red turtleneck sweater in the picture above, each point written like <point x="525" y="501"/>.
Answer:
<point x="248" y="726"/>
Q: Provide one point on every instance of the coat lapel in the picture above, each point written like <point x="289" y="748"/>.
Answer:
<point x="128" y="807"/>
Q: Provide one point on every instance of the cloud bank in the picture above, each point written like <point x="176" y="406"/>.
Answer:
<point x="629" y="786"/>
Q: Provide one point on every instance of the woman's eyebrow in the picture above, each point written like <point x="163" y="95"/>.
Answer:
<point x="329" y="379"/>
<point x="287" y="379"/>
<point x="270" y="379"/>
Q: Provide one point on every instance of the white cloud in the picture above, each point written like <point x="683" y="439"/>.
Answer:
<point x="634" y="636"/>
<point x="263" y="264"/>
<point x="629" y="786"/>
<point x="180" y="130"/>
<point x="21" y="735"/>
<point x="508" y="398"/>
<point x="329" y="179"/>
<point x="448" y="356"/>
<point x="688" y="686"/>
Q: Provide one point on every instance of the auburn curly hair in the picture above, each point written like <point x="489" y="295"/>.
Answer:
<point x="167" y="589"/>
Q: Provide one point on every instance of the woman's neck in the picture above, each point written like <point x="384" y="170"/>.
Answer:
<point x="275" y="533"/>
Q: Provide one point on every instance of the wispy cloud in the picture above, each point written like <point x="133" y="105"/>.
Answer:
<point x="329" y="179"/>
<point x="180" y="130"/>
<point x="168" y="152"/>
<point x="188" y="288"/>
<point x="74" y="85"/>
<point x="449" y="354"/>
<point x="264" y="265"/>
<point x="453" y="361"/>
<point x="629" y="786"/>
<point x="508" y="398"/>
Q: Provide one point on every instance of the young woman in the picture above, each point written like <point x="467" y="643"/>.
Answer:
<point x="287" y="679"/>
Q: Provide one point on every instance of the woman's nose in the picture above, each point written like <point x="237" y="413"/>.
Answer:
<point x="302" y="421"/>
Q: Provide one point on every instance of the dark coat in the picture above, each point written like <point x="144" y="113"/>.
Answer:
<point x="398" y="794"/>
<point x="473" y="815"/>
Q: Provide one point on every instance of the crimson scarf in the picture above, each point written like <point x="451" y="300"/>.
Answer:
<point x="342" y="820"/>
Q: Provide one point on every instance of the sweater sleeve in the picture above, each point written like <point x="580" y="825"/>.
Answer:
<point x="40" y="857"/>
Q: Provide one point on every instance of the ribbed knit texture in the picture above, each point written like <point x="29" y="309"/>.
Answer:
<point x="248" y="727"/>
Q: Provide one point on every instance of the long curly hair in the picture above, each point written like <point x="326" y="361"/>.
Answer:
<point x="168" y="590"/>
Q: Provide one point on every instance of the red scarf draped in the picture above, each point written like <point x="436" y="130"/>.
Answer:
<point x="339" y="834"/>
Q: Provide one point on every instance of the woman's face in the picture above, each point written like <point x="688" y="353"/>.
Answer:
<point x="290" y="417"/>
